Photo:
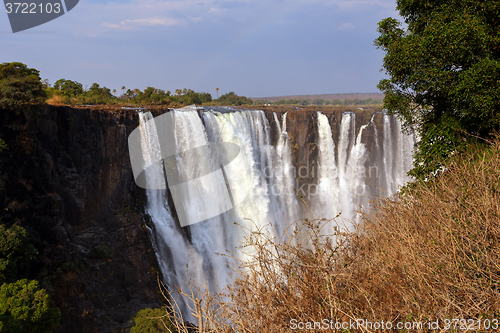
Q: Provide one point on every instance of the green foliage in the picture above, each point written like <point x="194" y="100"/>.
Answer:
<point x="20" y="87"/>
<point x="68" y="87"/>
<point x="15" y="252"/>
<point x="232" y="99"/>
<point x="154" y="96"/>
<point x="151" y="95"/>
<point x="24" y="307"/>
<point x="3" y="145"/>
<point x="152" y="321"/>
<point x="71" y="92"/>
<point x="444" y="73"/>
<point x="97" y="95"/>
<point x="197" y="98"/>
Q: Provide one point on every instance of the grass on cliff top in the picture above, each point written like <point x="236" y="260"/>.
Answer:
<point x="432" y="254"/>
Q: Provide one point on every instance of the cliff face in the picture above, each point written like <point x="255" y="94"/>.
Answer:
<point x="66" y="178"/>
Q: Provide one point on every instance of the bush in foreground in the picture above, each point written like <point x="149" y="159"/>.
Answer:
<point x="24" y="307"/>
<point x="151" y="320"/>
<point x="15" y="252"/>
<point x="431" y="254"/>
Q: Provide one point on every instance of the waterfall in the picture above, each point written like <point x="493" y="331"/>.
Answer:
<point x="176" y="252"/>
<point x="327" y="204"/>
<point x="388" y="155"/>
<point x="285" y="177"/>
<point x="398" y="152"/>
<point x="260" y="181"/>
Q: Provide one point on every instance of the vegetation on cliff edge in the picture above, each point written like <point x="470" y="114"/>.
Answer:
<point x="444" y="74"/>
<point x="20" y="87"/>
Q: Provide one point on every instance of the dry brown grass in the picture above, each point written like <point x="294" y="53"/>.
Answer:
<point x="55" y="100"/>
<point x="432" y="254"/>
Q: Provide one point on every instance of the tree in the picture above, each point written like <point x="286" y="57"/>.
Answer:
<point x="95" y="89"/>
<point x="98" y="95"/>
<point x="114" y="92"/>
<point x="232" y="99"/>
<point x="217" y="91"/>
<point x="152" y="320"/>
<point x="68" y="87"/>
<point x="20" y="87"/>
<point x="15" y="252"/>
<point x="444" y="74"/>
<point x="123" y="90"/>
<point x="24" y="307"/>
<point x="129" y="94"/>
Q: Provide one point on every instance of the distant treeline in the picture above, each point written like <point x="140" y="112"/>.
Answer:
<point x="72" y="92"/>
<point x="304" y="102"/>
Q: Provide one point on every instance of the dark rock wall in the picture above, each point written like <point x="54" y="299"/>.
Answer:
<point x="66" y="177"/>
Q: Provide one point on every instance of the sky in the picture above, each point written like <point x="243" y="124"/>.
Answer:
<point x="255" y="48"/>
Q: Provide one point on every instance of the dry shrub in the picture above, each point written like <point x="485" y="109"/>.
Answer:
<point x="430" y="254"/>
<point x="55" y="100"/>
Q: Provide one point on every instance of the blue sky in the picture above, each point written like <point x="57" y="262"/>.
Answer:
<point x="254" y="48"/>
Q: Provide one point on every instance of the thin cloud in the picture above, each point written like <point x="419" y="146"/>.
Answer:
<point x="216" y="10"/>
<point x="360" y="5"/>
<point x="142" y="22"/>
<point x="347" y="26"/>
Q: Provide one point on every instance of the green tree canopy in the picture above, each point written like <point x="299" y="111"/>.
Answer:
<point x="20" y="87"/>
<point x="24" y="307"/>
<point x="232" y="99"/>
<point x="97" y="90"/>
<point x="444" y="73"/>
<point x="98" y="95"/>
<point x="68" y="87"/>
<point x="152" y="321"/>
<point x="15" y="252"/>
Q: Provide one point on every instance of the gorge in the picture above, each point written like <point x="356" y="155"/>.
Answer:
<point x="350" y="162"/>
<point x="67" y="179"/>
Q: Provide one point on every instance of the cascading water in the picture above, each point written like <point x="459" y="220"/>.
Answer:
<point x="285" y="178"/>
<point x="398" y="153"/>
<point x="176" y="252"/>
<point x="328" y="202"/>
<point x="261" y="181"/>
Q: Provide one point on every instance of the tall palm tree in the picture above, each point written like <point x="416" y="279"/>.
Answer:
<point x="114" y="92"/>
<point x="217" y="91"/>
<point x="123" y="90"/>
